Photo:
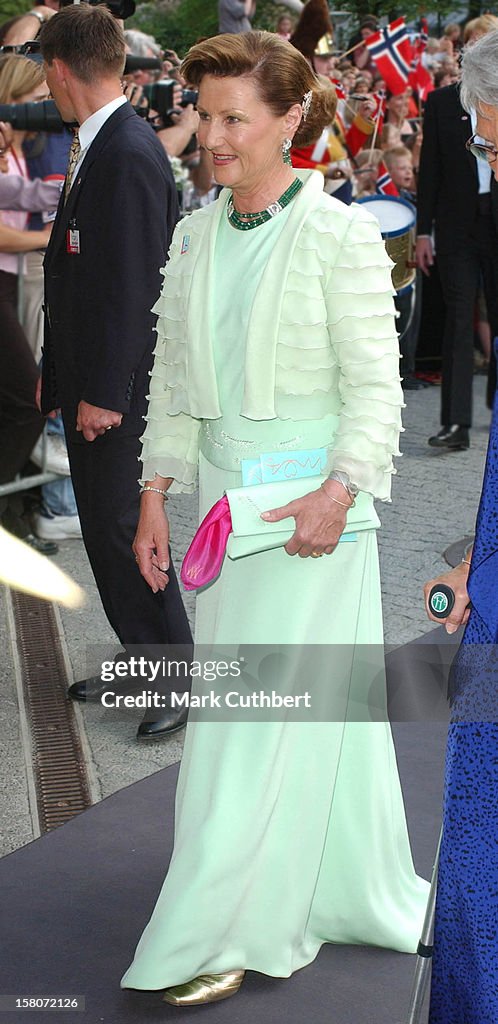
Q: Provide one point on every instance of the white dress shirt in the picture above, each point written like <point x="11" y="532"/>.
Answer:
<point x="483" y="169"/>
<point x="90" y="128"/>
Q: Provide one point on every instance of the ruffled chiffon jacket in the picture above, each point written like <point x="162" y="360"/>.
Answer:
<point x="321" y="339"/>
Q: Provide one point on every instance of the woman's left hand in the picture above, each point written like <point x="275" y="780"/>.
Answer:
<point x="319" y="520"/>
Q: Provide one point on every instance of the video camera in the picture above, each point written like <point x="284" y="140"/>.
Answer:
<point x="32" y="117"/>
<point x="159" y="96"/>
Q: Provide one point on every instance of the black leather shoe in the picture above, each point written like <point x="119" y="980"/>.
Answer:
<point x="452" y="438"/>
<point x="92" y="689"/>
<point x="165" y="724"/>
<point x="411" y="383"/>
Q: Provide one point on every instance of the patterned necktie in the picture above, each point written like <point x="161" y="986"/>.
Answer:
<point x="74" y="155"/>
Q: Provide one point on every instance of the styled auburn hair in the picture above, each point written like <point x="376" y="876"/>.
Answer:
<point x="18" y="76"/>
<point x="280" y="73"/>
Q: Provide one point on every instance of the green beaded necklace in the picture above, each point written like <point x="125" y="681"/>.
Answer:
<point x="247" y="221"/>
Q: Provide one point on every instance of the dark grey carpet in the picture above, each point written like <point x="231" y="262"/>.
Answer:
<point x="74" y="904"/>
<point x="456" y="551"/>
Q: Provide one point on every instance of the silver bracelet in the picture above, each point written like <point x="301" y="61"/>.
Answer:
<point x="345" y="480"/>
<point x="158" y="490"/>
<point x="465" y="561"/>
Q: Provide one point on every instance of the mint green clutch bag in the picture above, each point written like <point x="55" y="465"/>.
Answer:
<point x="251" y="534"/>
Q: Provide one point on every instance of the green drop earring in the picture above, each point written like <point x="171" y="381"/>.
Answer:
<point x="286" y="148"/>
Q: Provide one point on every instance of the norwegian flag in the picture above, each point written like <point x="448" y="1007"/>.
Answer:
<point x="356" y="139"/>
<point x="392" y="52"/>
<point x="420" y="44"/>
<point x="420" y="79"/>
<point x="385" y="184"/>
<point x="339" y="88"/>
<point x="379" y="113"/>
<point x="380" y="102"/>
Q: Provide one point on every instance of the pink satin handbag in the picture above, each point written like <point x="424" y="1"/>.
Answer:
<point x="202" y="562"/>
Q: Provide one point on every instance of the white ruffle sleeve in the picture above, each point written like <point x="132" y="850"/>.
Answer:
<point x="361" y="323"/>
<point x="170" y="441"/>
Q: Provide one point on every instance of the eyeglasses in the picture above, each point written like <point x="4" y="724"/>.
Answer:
<point x="481" y="148"/>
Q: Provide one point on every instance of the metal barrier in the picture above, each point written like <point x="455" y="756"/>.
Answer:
<point x="25" y="483"/>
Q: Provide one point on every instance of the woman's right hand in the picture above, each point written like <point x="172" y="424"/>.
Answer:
<point x="457" y="580"/>
<point x="366" y="108"/>
<point x="150" y="545"/>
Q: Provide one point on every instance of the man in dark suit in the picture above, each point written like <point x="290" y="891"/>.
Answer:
<point x="457" y="197"/>
<point x="109" y="239"/>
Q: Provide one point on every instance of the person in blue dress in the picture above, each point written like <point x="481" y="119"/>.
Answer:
<point x="465" y="964"/>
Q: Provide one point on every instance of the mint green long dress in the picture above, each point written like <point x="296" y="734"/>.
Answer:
<point x="287" y="834"/>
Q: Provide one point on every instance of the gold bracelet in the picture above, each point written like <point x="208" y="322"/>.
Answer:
<point x="342" y="503"/>
<point x="158" y="490"/>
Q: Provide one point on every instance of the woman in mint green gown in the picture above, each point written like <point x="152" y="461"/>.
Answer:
<point x="276" y="336"/>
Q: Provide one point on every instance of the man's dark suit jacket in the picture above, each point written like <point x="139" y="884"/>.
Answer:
<point x="448" y="182"/>
<point x="99" y="335"/>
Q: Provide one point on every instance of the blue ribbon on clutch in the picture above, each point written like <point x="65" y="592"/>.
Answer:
<point x="275" y="467"/>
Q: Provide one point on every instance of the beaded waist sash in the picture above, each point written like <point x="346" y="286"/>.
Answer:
<point x="225" y="451"/>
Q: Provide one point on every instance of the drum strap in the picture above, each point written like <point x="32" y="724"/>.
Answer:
<point x="321" y="147"/>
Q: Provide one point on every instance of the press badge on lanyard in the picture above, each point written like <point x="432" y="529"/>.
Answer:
<point x="73" y="239"/>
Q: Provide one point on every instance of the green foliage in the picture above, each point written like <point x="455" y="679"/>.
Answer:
<point x="268" y="13"/>
<point x="411" y="10"/>
<point x="176" y="24"/>
<point x="9" y="9"/>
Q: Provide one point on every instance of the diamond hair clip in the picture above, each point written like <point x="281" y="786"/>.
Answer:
<point x="306" y="104"/>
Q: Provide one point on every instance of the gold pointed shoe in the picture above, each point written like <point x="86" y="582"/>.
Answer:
<point x="207" y="988"/>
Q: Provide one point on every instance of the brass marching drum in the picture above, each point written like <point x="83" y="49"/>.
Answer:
<point x="396" y="217"/>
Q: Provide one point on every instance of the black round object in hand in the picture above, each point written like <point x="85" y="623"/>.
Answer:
<point x="441" y="601"/>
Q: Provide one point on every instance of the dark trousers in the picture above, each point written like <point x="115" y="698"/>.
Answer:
<point x="432" y="321"/>
<point x="20" y="422"/>
<point x="409" y="305"/>
<point x="460" y="273"/>
<point x="104" y="474"/>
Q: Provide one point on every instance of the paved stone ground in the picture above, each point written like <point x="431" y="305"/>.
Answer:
<point x="435" y="500"/>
